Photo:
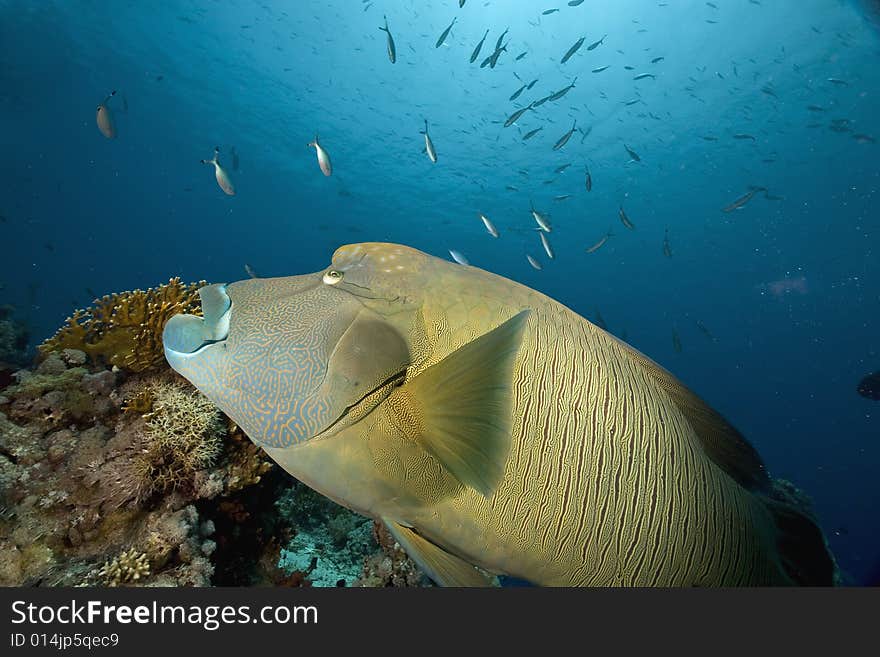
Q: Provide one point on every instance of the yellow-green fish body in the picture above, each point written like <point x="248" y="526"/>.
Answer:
<point x="488" y="425"/>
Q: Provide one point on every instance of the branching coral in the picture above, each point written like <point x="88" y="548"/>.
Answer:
<point x="184" y="434"/>
<point x="130" y="567"/>
<point x="247" y="462"/>
<point x="125" y="329"/>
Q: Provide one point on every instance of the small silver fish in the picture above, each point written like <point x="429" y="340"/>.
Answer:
<point x="532" y="133"/>
<point x="541" y="220"/>
<point x="515" y="116"/>
<point x="445" y="33"/>
<point x="541" y="101"/>
<point x="489" y="226"/>
<point x="518" y="92"/>
<point x="589" y="181"/>
<point x="250" y="271"/>
<point x="479" y="47"/>
<point x="632" y="153"/>
<point x="105" y="119"/>
<point x="534" y="263"/>
<point x="500" y="39"/>
<point x="624" y="219"/>
<point x="559" y="94"/>
<point x="571" y="51"/>
<point x="220" y="173"/>
<point x="563" y="140"/>
<point x="323" y="157"/>
<point x="392" y="51"/>
<point x="598" y="245"/>
<point x="596" y="44"/>
<point x="546" y="243"/>
<point x="429" y="145"/>
<point x="493" y="58"/>
<point x="742" y="200"/>
<point x="458" y="257"/>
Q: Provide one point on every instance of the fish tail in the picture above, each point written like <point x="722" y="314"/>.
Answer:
<point x="803" y="548"/>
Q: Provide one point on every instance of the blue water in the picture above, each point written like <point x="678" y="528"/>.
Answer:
<point x="85" y="214"/>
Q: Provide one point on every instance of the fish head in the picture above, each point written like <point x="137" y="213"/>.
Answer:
<point x="286" y="358"/>
<point x="349" y="376"/>
<point x="297" y="361"/>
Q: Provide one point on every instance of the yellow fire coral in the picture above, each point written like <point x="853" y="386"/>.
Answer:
<point x="125" y="329"/>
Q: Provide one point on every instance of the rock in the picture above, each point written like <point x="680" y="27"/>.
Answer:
<point x="53" y="365"/>
<point x="73" y="357"/>
<point x="56" y="454"/>
<point x="99" y="384"/>
<point x="74" y="536"/>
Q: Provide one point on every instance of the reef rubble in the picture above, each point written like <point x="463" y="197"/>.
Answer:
<point x="115" y="471"/>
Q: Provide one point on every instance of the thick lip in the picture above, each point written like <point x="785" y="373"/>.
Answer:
<point x="186" y="335"/>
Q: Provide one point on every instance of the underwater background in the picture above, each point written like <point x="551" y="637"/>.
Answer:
<point x="770" y="311"/>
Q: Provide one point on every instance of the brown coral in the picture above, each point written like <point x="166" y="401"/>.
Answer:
<point x="391" y="566"/>
<point x="125" y="329"/>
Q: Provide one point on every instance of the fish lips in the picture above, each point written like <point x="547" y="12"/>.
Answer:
<point x="186" y="336"/>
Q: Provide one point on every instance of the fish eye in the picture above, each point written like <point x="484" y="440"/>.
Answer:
<point x="332" y="277"/>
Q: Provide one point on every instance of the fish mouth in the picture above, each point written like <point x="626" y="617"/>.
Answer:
<point x="185" y="336"/>
<point x="360" y="408"/>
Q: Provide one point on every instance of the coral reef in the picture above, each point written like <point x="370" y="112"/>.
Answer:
<point x="128" y="568"/>
<point x="391" y="566"/>
<point x="329" y="544"/>
<point x="125" y="329"/>
<point x="183" y="435"/>
<point x="115" y="471"/>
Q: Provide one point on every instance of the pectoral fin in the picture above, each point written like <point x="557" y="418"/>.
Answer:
<point x="459" y="410"/>
<point x="444" y="568"/>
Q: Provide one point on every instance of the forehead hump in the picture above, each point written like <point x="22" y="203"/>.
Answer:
<point x="379" y="257"/>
